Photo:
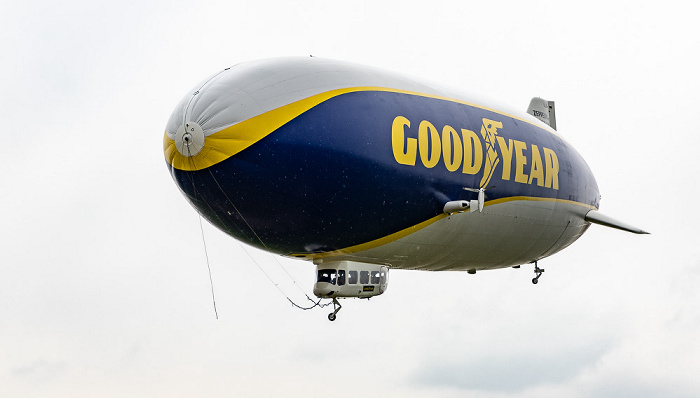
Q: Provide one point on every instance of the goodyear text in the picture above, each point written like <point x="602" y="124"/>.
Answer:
<point x="470" y="153"/>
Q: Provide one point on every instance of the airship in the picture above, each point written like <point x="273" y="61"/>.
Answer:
<point x="361" y="170"/>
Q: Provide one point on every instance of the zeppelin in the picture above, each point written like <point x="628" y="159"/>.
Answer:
<point x="361" y="170"/>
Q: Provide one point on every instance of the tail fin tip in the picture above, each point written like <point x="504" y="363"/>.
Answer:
<point x="543" y="110"/>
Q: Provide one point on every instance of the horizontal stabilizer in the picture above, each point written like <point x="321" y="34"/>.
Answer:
<point x="597" y="218"/>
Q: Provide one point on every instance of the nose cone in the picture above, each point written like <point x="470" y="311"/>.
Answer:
<point x="189" y="139"/>
<point x="211" y="107"/>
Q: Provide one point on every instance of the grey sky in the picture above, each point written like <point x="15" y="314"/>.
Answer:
<point x="103" y="280"/>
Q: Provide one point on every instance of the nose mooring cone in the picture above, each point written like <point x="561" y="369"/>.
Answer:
<point x="189" y="139"/>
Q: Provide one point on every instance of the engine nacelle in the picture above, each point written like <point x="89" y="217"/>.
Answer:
<point x="350" y="279"/>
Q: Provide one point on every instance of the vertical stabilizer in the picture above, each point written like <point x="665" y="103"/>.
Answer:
<point x="543" y="110"/>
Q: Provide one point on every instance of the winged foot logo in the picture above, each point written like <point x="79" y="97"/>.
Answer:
<point x="525" y="164"/>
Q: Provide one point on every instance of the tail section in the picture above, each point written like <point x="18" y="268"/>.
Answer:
<point x="543" y="110"/>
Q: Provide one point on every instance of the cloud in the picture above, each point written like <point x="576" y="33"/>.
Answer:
<point x="514" y="367"/>
<point x="38" y="372"/>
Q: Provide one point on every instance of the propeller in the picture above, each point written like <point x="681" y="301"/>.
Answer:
<point x="479" y="203"/>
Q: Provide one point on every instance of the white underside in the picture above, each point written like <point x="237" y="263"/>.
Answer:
<point x="503" y="235"/>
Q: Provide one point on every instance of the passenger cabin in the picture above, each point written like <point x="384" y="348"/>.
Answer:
<point x="350" y="279"/>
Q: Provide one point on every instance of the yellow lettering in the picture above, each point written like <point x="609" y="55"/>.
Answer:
<point x="429" y="159"/>
<point x="537" y="171"/>
<point x="473" y="153"/>
<point x="451" y="144"/>
<point x="404" y="154"/>
<point x="468" y="151"/>
<point x="489" y="130"/>
<point x="520" y="161"/>
<point x="552" y="171"/>
<point x="507" y="154"/>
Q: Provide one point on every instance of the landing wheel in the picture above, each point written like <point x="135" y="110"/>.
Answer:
<point x="538" y="273"/>
<point x="336" y="308"/>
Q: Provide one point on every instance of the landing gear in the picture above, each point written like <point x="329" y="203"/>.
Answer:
<point x="538" y="273"/>
<point x="336" y="308"/>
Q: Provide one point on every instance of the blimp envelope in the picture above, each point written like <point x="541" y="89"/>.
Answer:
<point x="321" y="159"/>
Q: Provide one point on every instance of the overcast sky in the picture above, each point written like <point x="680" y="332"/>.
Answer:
<point x="104" y="288"/>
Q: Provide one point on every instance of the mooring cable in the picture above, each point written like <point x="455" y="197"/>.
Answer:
<point x="267" y="249"/>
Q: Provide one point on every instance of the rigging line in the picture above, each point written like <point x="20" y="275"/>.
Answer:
<point x="201" y="228"/>
<point x="237" y="211"/>
<point x="258" y="237"/>
<point x="316" y="303"/>
<point x="192" y="161"/>
<point x="211" y="282"/>
<point x="191" y="178"/>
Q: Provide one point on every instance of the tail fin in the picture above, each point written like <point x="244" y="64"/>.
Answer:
<point x="543" y="110"/>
